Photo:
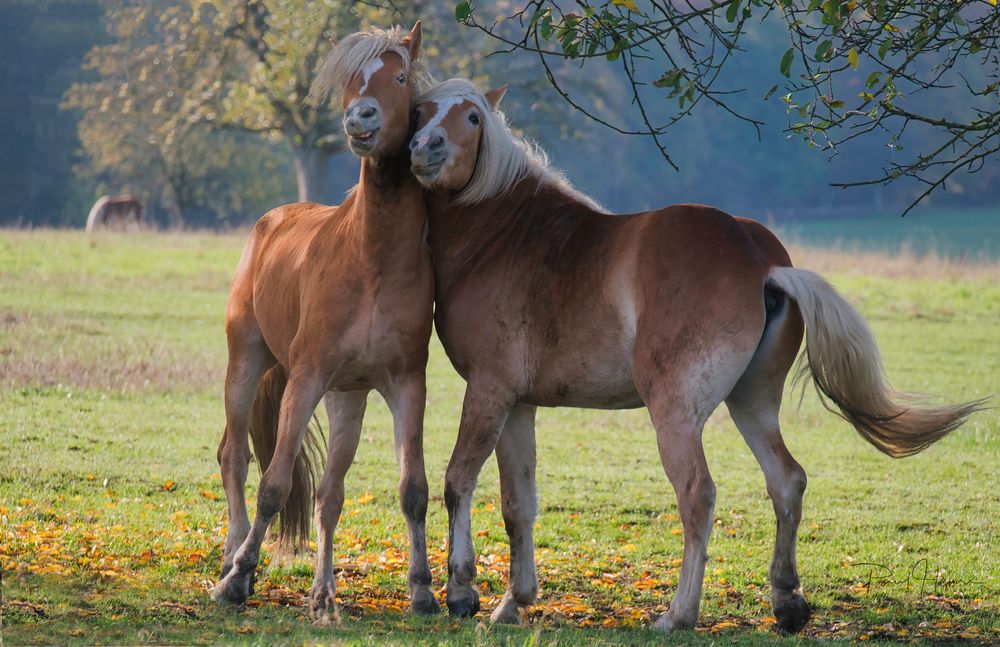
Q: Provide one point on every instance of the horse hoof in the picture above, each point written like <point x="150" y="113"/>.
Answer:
<point x="792" y="613"/>
<point x="504" y="615"/>
<point x="423" y="603"/>
<point x="507" y="612"/>
<point x="231" y="591"/>
<point x="664" y="624"/>
<point x="464" y="607"/>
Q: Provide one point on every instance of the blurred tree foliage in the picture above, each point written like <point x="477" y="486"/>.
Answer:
<point x="924" y="71"/>
<point x="198" y="106"/>
<point x="196" y="100"/>
<point x="42" y="43"/>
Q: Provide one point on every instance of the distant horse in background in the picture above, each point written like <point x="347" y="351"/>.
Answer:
<point x="333" y="301"/>
<point x="544" y="299"/>
<point x="115" y="212"/>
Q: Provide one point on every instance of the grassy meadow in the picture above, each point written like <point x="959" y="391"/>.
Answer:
<point x="112" y="513"/>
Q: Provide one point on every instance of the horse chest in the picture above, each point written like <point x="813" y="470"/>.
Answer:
<point x="377" y="331"/>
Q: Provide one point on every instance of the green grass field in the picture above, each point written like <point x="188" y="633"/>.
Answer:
<point x="112" y="513"/>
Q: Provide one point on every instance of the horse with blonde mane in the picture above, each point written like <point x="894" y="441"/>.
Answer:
<point x="544" y="299"/>
<point x="335" y="301"/>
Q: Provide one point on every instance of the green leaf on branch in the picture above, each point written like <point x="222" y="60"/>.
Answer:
<point x="786" y="62"/>
<point x="824" y="51"/>
<point x="883" y="49"/>
<point x="733" y="9"/>
<point x="668" y="80"/>
<point x="463" y="11"/>
<point x="852" y="58"/>
<point x="545" y="26"/>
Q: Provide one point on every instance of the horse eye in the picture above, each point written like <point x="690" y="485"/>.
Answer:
<point x="474" y="119"/>
<point x="401" y="79"/>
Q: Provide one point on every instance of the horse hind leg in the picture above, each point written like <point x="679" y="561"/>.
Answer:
<point x="249" y="358"/>
<point x="678" y="436"/>
<point x="302" y="393"/>
<point x="753" y="405"/>
<point x="680" y="397"/>
<point x="346" y="411"/>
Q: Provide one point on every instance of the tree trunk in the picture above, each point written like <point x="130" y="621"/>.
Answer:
<point x="312" y="172"/>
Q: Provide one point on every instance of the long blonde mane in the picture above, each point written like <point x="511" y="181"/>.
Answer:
<point x="504" y="158"/>
<point x="352" y="53"/>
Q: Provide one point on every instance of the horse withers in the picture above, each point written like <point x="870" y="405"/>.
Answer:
<point x="335" y="301"/>
<point x="544" y="299"/>
<point x="115" y="213"/>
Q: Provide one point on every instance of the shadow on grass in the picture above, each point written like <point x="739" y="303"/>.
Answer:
<point x="46" y="609"/>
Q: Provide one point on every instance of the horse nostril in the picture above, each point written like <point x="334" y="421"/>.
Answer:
<point x="437" y="141"/>
<point x="368" y="112"/>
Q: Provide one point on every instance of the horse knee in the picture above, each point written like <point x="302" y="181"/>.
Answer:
<point x="329" y="499"/>
<point x="413" y="499"/>
<point x="453" y="491"/>
<point x="787" y="494"/>
<point x="273" y="493"/>
<point x="699" y="499"/>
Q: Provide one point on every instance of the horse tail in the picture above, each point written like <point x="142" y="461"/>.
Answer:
<point x="843" y="359"/>
<point x="294" y="518"/>
<point x="95" y="219"/>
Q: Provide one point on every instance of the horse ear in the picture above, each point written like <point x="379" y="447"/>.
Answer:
<point x="496" y="96"/>
<point x="412" y="41"/>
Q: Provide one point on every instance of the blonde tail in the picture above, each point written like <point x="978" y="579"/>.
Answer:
<point x="846" y="367"/>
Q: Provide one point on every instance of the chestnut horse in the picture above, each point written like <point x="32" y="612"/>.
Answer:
<point x="543" y="299"/>
<point x="335" y="301"/>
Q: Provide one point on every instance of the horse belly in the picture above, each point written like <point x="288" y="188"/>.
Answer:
<point x="593" y="374"/>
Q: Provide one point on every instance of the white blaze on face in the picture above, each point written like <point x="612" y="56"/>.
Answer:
<point x="443" y="106"/>
<point x="371" y="67"/>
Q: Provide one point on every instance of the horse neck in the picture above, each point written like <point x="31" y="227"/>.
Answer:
<point x="533" y="217"/>
<point x="388" y="209"/>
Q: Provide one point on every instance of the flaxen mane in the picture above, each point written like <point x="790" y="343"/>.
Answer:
<point x="504" y="158"/>
<point x="350" y="55"/>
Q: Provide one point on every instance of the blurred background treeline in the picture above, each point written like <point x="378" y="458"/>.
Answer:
<point x="198" y="108"/>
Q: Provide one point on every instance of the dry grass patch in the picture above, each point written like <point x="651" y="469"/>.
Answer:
<point x="906" y="264"/>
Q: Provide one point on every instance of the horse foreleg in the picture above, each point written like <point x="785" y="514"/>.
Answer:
<point x="301" y="396"/>
<point x="484" y="414"/>
<point x="519" y="504"/>
<point x="406" y="397"/>
<point x="346" y="411"/>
